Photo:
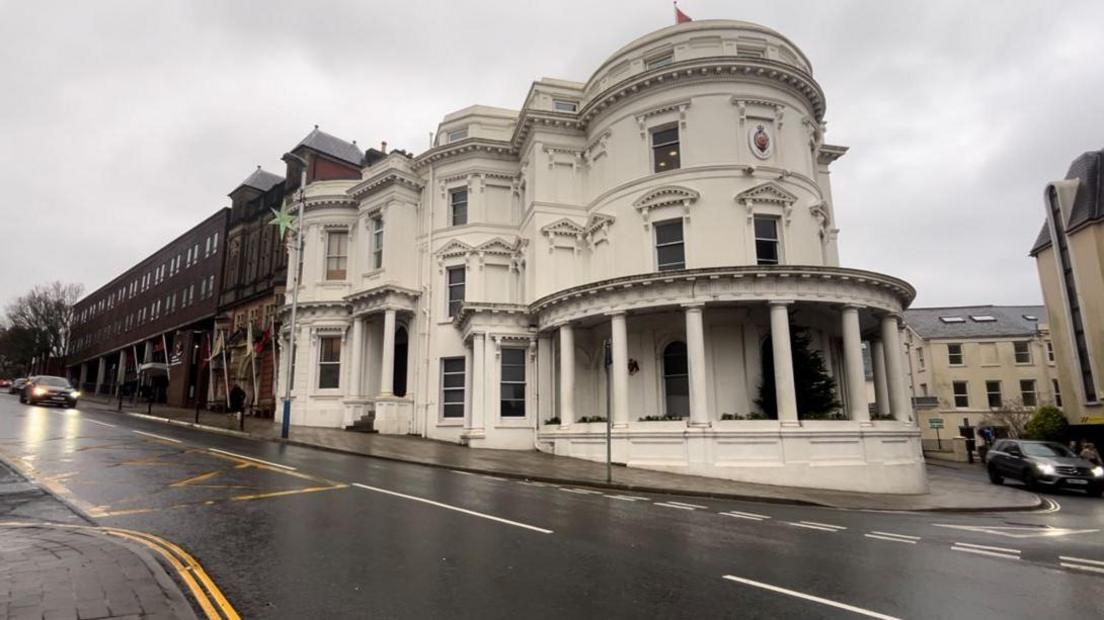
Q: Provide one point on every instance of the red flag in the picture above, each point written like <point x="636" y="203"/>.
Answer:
<point x="681" y="17"/>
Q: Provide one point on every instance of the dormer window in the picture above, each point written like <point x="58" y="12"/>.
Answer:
<point x="563" y="105"/>
<point x="457" y="134"/>
<point x="982" y="318"/>
<point x="661" y="60"/>
<point x="1030" y="317"/>
<point x="952" y="319"/>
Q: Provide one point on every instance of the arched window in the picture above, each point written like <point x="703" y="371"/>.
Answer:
<point x="676" y="380"/>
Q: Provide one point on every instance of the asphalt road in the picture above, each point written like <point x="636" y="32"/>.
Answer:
<point x="310" y="534"/>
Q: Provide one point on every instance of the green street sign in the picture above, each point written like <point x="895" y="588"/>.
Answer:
<point x="935" y="423"/>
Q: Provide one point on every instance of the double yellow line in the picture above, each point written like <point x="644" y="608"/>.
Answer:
<point x="206" y="593"/>
<point x="203" y="589"/>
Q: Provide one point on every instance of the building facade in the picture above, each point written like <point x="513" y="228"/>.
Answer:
<point x="1069" y="254"/>
<point x="148" y="328"/>
<point x="633" y="248"/>
<point x="253" y="282"/>
<point x="971" y="363"/>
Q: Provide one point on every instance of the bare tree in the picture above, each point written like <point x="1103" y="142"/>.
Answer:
<point x="1012" y="415"/>
<point x="41" y="320"/>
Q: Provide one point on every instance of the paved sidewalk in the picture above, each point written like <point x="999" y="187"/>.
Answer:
<point x="51" y="572"/>
<point x="55" y="564"/>
<point x="948" y="491"/>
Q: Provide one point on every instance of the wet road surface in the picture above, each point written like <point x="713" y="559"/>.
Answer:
<point x="290" y="532"/>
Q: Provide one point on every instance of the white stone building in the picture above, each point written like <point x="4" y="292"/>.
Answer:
<point x="676" y="206"/>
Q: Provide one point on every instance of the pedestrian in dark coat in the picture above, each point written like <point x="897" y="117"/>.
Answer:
<point x="237" y="399"/>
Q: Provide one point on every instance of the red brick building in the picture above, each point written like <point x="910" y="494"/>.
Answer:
<point x="149" y="328"/>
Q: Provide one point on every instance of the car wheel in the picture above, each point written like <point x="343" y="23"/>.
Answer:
<point x="23" y="397"/>
<point x="71" y="404"/>
<point x="1030" y="481"/>
<point x="994" y="477"/>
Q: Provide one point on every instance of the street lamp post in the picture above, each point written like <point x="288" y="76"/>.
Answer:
<point x="292" y="157"/>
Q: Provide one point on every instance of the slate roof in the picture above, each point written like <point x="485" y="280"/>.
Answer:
<point x="1010" y="321"/>
<point x="262" y="180"/>
<point x="1088" y="205"/>
<point x="333" y="146"/>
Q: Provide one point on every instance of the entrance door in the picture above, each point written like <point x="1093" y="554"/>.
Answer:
<point x="398" y="386"/>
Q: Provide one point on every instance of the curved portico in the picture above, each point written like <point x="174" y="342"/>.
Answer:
<point x="720" y="320"/>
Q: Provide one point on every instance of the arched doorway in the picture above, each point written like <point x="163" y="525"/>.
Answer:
<point x="398" y="386"/>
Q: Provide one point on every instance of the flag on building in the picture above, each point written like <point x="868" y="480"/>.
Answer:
<point x="205" y="350"/>
<point x="219" y="344"/>
<point x="681" y="17"/>
<point x="262" y="342"/>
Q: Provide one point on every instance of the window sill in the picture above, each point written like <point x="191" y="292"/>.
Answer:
<point x="450" y="422"/>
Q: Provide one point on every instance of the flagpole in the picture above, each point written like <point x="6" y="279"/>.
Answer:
<point x="293" y="272"/>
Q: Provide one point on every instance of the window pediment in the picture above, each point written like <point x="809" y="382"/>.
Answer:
<point x="563" y="228"/>
<point x="770" y="194"/>
<point x="454" y="249"/>
<point x="666" y="196"/>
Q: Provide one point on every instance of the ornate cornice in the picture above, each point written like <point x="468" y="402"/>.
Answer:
<point x="468" y="145"/>
<point x="740" y="284"/>
<point x="391" y="176"/>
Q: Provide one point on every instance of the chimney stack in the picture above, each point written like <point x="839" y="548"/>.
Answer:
<point x="383" y="146"/>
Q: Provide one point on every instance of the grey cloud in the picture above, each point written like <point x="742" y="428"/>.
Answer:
<point x="128" y="122"/>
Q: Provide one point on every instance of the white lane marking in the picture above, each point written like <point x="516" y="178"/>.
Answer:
<point x="744" y="515"/>
<point x="462" y="473"/>
<point x="1017" y="531"/>
<point x="668" y="505"/>
<point x="810" y="597"/>
<point x="829" y="525"/>
<point x="161" y="437"/>
<point x="97" y="422"/>
<point x="451" y="507"/>
<point x="484" y="476"/>
<point x="578" y="491"/>
<point x="250" y="458"/>
<point x="896" y="535"/>
<point x="987" y="547"/>
<point x="1070" y="558"/>
<point x="812" y="527"/>
<point x="993" y="554"/>
<point x="688" y="505"/>
<point x="627" y="498"/>
<point x="891" y="539"/>
<point x="747" y="514"/>
<point x="528" y="483"/>
<point x="1091" y="569"/>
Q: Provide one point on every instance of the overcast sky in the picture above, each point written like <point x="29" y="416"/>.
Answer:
<point x="122" y="124"/>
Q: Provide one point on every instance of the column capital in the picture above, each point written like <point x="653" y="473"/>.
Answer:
<point x="780" y="302"/>
<point x="696" y="305"/>
<point x="853" y="307"/>
<point x="614" y="313"/>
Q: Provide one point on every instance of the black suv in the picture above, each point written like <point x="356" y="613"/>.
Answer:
<point x="1040" y="464"/>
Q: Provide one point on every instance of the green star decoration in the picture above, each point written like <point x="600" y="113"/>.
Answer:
<point x="284" y="219"/>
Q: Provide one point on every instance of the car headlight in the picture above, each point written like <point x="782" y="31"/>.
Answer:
<point x="1045" y="468"/>
<point x="39" y="391"/>
<point x="1098" y="471"/>
<point x="75" y="394"/>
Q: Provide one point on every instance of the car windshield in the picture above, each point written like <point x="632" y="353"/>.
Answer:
<point x="1045" y="449"/>
<point x="53" y="381"/>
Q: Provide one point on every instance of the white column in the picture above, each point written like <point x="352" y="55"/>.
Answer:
<point x="695" y="357"/>
<point x="567" y="375"/>
<point x="478" y="384"/>
<point x="387" y="356"/>
<point x="785" y="394"/>
<point x="356" y="360"/>
<point x="545" y="387"/>
<point x="619" y="369"/>
<point x="101" y="374"/>
<point x="857" y="407"/>
<point x="881" y="390"/>
<point x="899" y="402"/>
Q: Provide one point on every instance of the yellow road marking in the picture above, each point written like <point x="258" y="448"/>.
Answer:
<point x="199" y="478"/>
<point x="197" y="591"/>
<point x="243" y="498"/>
